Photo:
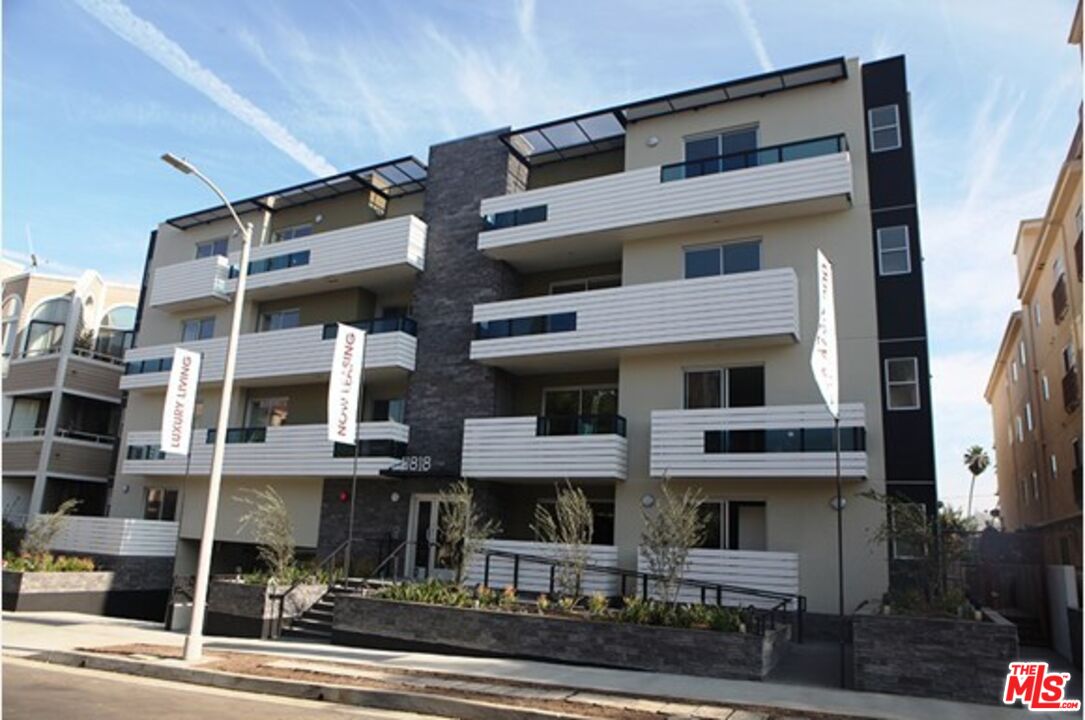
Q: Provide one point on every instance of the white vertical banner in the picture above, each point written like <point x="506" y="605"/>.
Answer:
<point x="345" y="384"/>
<point x="823" y="356"/>
<point x="180" y="402"/>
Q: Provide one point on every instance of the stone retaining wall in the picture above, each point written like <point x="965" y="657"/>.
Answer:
<point x="390" y="624"/>
<point x="238" y="609"/>
<point x="961" y="660"/>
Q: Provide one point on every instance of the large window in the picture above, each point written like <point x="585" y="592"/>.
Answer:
<point x="580" y="284"/>
<point x="707" y="154"/>
<point x="45" y="332"/>
<point x="292" y="233"/>
<point x="393" y="409"/>
<point x="734" y="525"/>
<point x="197" y="329"/>
<point x="902" y="383"/>
<point x="602" y="517"/>
<point x="573" y="401"/>
<point x="725" y="387"/>
<point x="159" y="504"/>
<point x="280" y="319"/>
<point x="894" y="255"/>
<point x="726" y="259"/>
<point x="27" y="416"/>
<point x="884" y="128"/>
<point x="115" y="333"/>
<point x="268" y="412"/>
<point x="13" y="306"/>
<point x="211" y="247"/>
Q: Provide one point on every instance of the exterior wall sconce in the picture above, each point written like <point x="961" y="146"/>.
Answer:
<point x="395" y="496"/>
<point x="648" y="500"/>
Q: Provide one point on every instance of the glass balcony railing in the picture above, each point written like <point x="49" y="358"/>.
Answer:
<point x="375" y="326"/>
<point x="605" y="424"/>
<point x="533" y="325"/>
<point x="240" y="435"/>
<point x="852" y="439"/>
<point x="770" y="155"/>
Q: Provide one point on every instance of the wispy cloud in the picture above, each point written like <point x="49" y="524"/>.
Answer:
<point x="753" y="35"/>
<point x="153" y="42"/>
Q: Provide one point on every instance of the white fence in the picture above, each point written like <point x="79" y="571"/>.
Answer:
<point x="535" y="576"/>
<point x="117" y="536"/>
<point x="776" y="572"/>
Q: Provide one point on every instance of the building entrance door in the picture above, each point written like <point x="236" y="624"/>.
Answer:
<point x="424" y="527"/>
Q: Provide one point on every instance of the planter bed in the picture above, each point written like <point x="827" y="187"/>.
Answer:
<point x="237" y="609"/>
<point x="391" y="624"/>
<point x="103" y="592"/>
<point x="963" y="660"/>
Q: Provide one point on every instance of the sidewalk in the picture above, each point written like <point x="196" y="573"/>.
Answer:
<point x="26" y="634"/>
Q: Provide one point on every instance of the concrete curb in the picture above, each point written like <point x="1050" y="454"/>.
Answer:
<point x="403" y="701"/>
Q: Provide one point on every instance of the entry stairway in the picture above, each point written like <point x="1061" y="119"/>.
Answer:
<point x="315" y="624"/>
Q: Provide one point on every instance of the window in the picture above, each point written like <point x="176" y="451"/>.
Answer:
<point x="1060" y="303"/>
<point x="902" y="383"/>
<point x="725" y="259"/>
<point x="1021" y="354"/>
<point x="579" y="401"/>
<point x="726" y="387"/>
<point x="1036" y="314"/>
<point x="1054" y="466"/>
<point x="27" y="416"/>
<point x="268" y="412"/>
<point x="45" y="332"/>
<point x="1035" y="486"/>
<point x="280" y="319"/>
<point x="513" y="218"/>
<point x="579" y="285"/>
<point x="884" y="128"/>
<point x="197" y="329"/>
<point x="292" y="233"/>
<point x="1069" y="361"/>
<point x="211" y="247"/>
<point x="278" y="262"/>
<point x="706" y="155"/>
<point x="393" y="409"/>
<point x="734" y="525"/>
<point x="1028" y="415"/>
<point x="1020" y="429"/>
<point x="602" y="517"/>
<point x="901" y="516"/>
<point x="894" y="254"/>
<point x="1013" y="370"/>
<point x="159" y="504"/>
<point x="1045" y="386"/>
<point x="1009" y="432"/>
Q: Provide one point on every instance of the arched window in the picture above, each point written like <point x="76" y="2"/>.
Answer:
<point x="45" y="331"/>
<point x="115" y="334"/>
<point x="13" y="306"/>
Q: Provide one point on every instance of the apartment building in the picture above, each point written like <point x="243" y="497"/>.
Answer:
<point x="613" y="299"/>
<point x="63" y="344"/>
<point x="1035" y="385"/>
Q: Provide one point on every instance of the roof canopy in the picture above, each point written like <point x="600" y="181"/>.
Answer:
<point x="603" y="130"/>
<point x="390" y="179"/>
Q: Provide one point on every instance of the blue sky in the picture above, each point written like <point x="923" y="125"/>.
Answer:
<point x="263" y="94"/>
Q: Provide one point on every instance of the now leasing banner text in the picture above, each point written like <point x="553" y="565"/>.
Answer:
<point x="180" y="402"/>
<point x="345" y="384"/>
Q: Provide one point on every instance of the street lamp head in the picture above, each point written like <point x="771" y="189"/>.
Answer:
<point x="178" y="163"/>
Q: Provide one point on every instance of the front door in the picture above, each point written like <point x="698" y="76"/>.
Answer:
<point x="424" y="527"/>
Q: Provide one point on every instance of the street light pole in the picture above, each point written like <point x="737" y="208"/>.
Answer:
<point x="194" y="641"/>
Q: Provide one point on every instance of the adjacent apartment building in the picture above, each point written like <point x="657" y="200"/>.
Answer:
<point x="1035" y="386"/>
<point x="64" y="340"/>
<point x="613" y="299"/>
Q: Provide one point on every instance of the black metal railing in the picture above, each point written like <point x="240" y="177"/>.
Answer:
<point x="532" y="325"/>
<point x="1060" y="301"/>
<point x="605" y="424"/>
<point x="769" y="155"/>
<point x="709" y="593"/>
<point x="375" y="326"/>
<point x="240" y="435"/>
<point x="1071" y="390"/>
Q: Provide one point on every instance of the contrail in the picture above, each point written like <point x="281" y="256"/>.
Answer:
<point x="749" y="27"/>
<point x="116" y="16"/>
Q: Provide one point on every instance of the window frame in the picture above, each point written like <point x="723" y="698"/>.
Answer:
<point x="895" y="125"/>
<point x="277" y="235"/>
<point x="725" y="383"/>
<point x="719" y="248"/>
<point x="889" y="384"/>
<point x="200" y="321"/>
<point x="580" y="395"/>
<point x="166" y="491"/>
<point x="212" y="244"/>
<point x="894" y="553"/>
<point x="906" y="249"/>
<point x="265" y="314"/>
<point x="586" y="282"/>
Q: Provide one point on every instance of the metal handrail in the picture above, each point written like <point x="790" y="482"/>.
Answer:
<point x="783" y="599"/>
<point x="97" y="438"/>
<point x="95" y="354"/>
<point x="391" y="556"/>
<point x="327" y="565"/>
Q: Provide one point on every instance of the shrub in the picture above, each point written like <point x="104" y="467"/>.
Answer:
<point x="44" y="528"/>
<point x="268" y="519"/>
<point x="569" y="526"/>
<point x="542" y="602"/>
<point x="463" y="528"/>
<point x="670" y="532"/>
<point x="47" y="562"/>
<point x="597" y="604"/>
<point x="507" y="600"/>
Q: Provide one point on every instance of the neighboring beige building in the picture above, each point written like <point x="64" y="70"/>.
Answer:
<point x="1035" y="386"/>
<point x="614" y="299"/>
<point x="63" y="343"/>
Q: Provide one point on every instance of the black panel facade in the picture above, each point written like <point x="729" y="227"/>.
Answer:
<point x="902" y="326"/>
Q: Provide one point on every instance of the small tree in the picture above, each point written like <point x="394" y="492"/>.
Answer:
<point x="268" y="520"/>
<point x="44" y="528"/>
<point x="570" y="526"/>
<point x="976" y="460"/>
<point x="463" y="527"/>
<point x="670" y="533"/>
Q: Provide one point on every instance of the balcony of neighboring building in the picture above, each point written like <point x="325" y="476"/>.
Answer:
<point x="558" y="426"/>
<point x="380" y="255"/>
<point x="298" y="354"/>
<point x="588" y="220"/>
<point x="592" y="328"/>
<point x="775" y="441"/>
<point x="82" y="442"/>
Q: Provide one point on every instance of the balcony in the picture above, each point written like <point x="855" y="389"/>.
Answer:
<point x="279" y="451"/>
<point x="301" y="354"/>
<point x="380" y="255"/>
<point x="74" y="455"/>
<point x="808" y="177"/>
<point x="581" y="447"/>
<point x="1071" y="391"/>
<point x="785" y="441"/>
<point x="589" y="329"/>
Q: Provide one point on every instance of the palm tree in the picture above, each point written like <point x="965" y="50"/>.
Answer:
<point x="976" y="460"/>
